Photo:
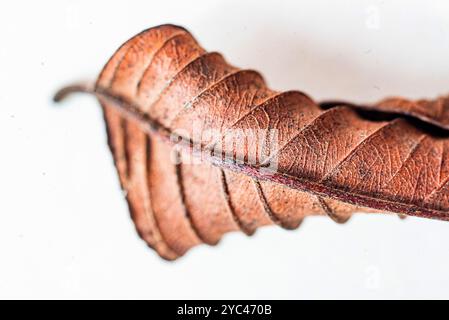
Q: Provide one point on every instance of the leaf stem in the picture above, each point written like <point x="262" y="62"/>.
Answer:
<point x="133" y="112"/>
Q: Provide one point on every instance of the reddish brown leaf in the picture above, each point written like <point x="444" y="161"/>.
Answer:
<point x="274" y="157"/>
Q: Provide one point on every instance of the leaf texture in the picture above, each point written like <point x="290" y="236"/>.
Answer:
<point x="332" y="160"/>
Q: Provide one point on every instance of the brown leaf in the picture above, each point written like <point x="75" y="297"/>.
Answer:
<point x="266" y="157"/>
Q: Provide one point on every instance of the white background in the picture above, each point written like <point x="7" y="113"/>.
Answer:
<point x="64" y="227"/>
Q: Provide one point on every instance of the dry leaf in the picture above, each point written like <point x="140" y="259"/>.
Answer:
<point x="266" y="157"/>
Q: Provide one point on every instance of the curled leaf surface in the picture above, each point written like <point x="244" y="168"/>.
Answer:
<point x="260" y="156"/>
